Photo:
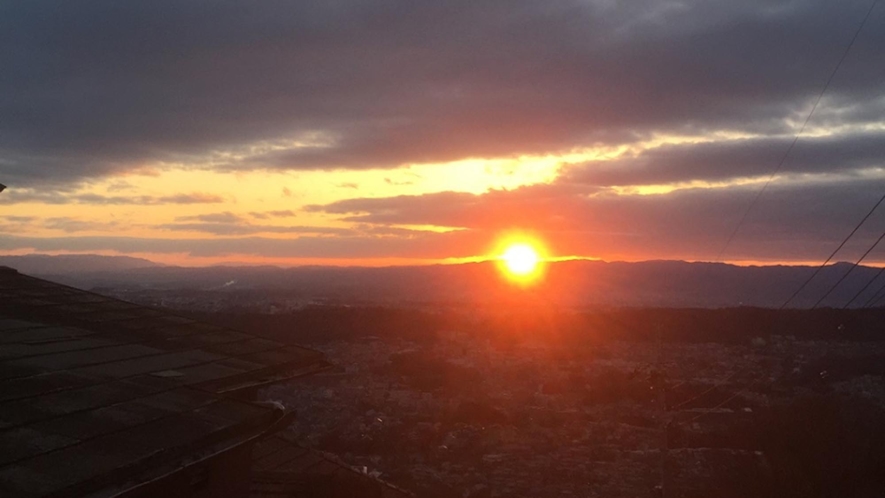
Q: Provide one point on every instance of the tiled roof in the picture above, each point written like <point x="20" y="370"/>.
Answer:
<point x="97" y="395"/>
<point x="283" y="469"/>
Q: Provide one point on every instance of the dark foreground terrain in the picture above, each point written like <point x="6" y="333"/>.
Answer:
<point x="455" y="402"/>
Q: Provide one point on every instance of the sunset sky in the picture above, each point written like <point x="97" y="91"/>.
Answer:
<point x="393" y="132"/>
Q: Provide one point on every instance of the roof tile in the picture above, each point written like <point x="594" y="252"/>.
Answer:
<point x="95" y="392"/>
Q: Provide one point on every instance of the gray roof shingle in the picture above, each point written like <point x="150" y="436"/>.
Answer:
<point x="97" y="394"/>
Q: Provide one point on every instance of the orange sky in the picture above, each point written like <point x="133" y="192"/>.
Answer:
<point x="112" y="215"/>
<point x="409" y="134"/>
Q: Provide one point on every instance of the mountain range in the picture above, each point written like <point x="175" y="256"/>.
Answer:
<point x="567" y="283"/>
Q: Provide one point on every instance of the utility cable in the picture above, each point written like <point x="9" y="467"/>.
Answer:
<point x="833" y="254"/>
<point x="721" y="404"/>
<point x="855" y="265"/>
<point x="861" y="291"/>
<point x="705" y="392"/>
<point x="771" y="177"/>
<point x="875" y="297"/>
<point x="762" y="190"/>
<point x="783" y="159"/>
<point x="877" y="301"/>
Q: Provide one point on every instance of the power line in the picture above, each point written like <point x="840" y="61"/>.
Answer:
<point x="783" y="160"/>
<point x="771" y="177"/>
<point x="705" y="392"/>
<point x="876" y="302"/>
<point x="665" y="425"/>
<point x="746" y="389"/>
<point x="855" y="265"/>
<point x="875" y="298"/>
<point x="833" y="254"/>
<point x="865" y="287"/>
<point x="752" y="204"/>
<point x="723" y="403"/>
<point x="775" y="172"/>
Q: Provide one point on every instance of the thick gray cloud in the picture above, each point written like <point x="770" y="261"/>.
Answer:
<point x="90" y="88"/>
<point x="793" y="221"/>
<point x="732" y="159"/>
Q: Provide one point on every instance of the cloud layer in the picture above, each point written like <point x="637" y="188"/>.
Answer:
<point x="698" y="99"/>
<point x="100" y="87"/>
<point x="797" y="221"/>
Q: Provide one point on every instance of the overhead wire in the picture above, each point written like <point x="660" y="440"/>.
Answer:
<point x="850" y="270"/>
<point x="759" y="194"/>
<point x="665" y="424"/>
<point x="875" y="297"/>
<point x="833" y="254"/>
<point x="735" y="373"/>
<point x="865" y="287"/>
<point x="792" y="145"/>
<point x="721" y="404"/>
<point x="877" y="301"/>
<point x="707" y="391"/>
<point x="832" y="288"/>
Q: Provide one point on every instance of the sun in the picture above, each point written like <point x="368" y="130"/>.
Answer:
<point x="520" y="259"/>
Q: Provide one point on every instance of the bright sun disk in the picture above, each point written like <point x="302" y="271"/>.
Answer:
<point x="520" y="259"/>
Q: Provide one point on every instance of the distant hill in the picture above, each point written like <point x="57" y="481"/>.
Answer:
<point x="569" y="283"/>
<point x="42" y="264"/>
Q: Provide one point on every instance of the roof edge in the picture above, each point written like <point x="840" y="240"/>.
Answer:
<point x="146" y="472"/>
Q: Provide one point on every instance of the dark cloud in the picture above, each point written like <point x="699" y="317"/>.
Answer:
<point x="798" y="220"/>
<point x="119" y="186"/>
<point x="235" y="228"/>
<point x="67" y="224"/>
<point x="73" y="225"/>
<point x="61" y="197"/>
<point x="225" y="217"/>
<point x="398" y="183"/>
<point x="20" y="219"/>
<point x="98" y="87"/>
<point x="280" y="213"/>
<point x="192" y="198"/>
<point x="230" y="224"/>
<point x="732" y="159"/>
<point x="497" y="208"/>
<point x="423" y="245"/>
<point x="15" y="224"/>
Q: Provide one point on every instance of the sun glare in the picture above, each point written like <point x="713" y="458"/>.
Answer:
<point x="520" y="260"/>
